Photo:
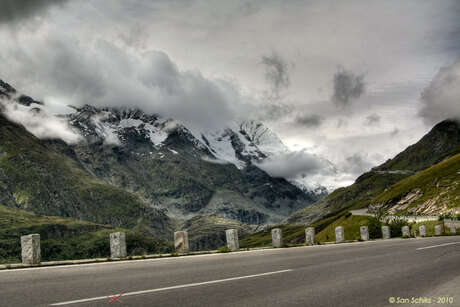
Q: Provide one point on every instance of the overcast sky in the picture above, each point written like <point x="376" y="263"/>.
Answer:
<point x="353" y="82"/>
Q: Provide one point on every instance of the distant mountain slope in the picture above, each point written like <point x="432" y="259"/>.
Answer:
<point x="440" y="143"/>
<point x="167" y="166"/>
<point x="144" y="172"/>
<point x="435" y="190"/>
<point x="37" y="178"/>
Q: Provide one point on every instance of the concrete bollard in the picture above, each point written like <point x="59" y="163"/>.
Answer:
<point x="364" y="233"/>
<point x="437" y="230"/>
<point x="405" y="231"/>
<point x="453" y="229"/>
<point x="30" y="249"/>
<point x="232" y="239"/>
<point x="310" y="236"/>
<point x="118" y="245"/>
<point x="277" y="237"/>
<point x="181" y="242"/>
<point x="386" y="232"/>
<point x="339" y="234"/>
<point x="422" y="230"/>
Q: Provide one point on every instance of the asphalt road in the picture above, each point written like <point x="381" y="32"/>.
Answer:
<point x="351" y="274"/>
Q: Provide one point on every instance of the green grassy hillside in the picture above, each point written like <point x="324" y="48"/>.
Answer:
<point x="441" y="143"/>
<point x="66" y="238"/>
<point x="37" y="178"/>
<point x="325" y="231"/>
<point x="435" y="190"/>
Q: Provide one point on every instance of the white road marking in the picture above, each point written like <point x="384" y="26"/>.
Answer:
<point x="172" y="287"/>
<point x="428" y="247"/>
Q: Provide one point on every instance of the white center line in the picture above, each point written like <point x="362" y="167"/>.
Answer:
<point x="437" y="245"/>
<point x="171" y="288"/>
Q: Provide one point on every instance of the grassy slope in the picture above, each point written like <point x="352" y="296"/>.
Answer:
<point x="325" y="231"/>
<point x="442" y="142"/>
<point x="66" y="238"/>
<point x="291" y="235"/>
<point x="440" y="182"/>
<point x="207" y="231"/>
<point x="44" y="181"/>
<point x="350" y="224"/>
<point x="356" y="196"/>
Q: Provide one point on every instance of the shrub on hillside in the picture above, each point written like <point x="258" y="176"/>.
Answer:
<point x="396" y="226"/>
<point x="375" y="227"/>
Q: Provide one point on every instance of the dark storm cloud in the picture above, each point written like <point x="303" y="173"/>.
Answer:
<point x="372" y="120"/>
<point x="18" y="10"/>
<point x="441" y="99"/>
<point x="347" y="86"/>
<point x="309" y="120"/>
<point x="276" y="72"/>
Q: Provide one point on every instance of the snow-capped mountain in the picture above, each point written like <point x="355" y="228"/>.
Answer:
<point x="187" y="176"/>
<point x="248" y="143"/>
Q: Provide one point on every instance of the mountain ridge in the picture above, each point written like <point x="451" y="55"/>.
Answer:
<point x="441" y="143"/>
<point x="163" y="176"/>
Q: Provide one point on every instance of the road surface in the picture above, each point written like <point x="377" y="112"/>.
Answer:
<point x="350" y="274"/>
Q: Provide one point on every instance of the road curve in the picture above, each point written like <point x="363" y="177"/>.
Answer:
<point x="351" y="274"/>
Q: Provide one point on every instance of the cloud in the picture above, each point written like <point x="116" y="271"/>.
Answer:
<point x="19" y="10"/>
<point x="372" y="120"/>
<point x="356" y="164"/>
<point x="214" y="161"/>
<point x="62" y="58"/>
<point x="274" y="108"/>
<point x="100" y="73"/>
<point x="276" y="72"/>
<point x="440" y="100"/>
<point x="39" y="123"/>
<point x="309" y="120"/>
<point x="394" y="132"/>
<point x="294" y="164"/>
<point x="341" y="123"/>
<point x="347" y="87"/>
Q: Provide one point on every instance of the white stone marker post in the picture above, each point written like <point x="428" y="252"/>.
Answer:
<point x="453" y="229"/>
<point x="405" y="231"/>
<point x="118" y="245"/>
<point x="232" y="239"/>
<point x="310" y="236"/>
<point x="364" y="233"/>
<point x="30" y="249"/>
<point x="422" y="230"/>
<point x="277" y="237"/>
<point x="339" y="234"/>
<point x="181" y="242"/>
<point x="386" y="232"/>
<point x="438" y="230"/>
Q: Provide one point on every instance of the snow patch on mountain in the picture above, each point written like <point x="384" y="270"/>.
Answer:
<point x="220" y="145"/>
<point x="262" y="137"/>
